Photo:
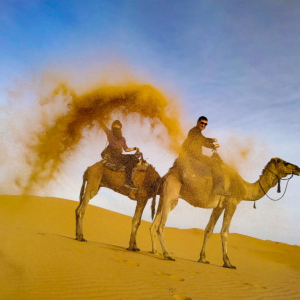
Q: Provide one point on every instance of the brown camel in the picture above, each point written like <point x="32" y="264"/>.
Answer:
<point x="197" y="192"/>
<point x="145" y="178"/>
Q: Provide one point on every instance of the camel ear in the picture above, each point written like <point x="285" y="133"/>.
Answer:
<point x="277" y="160"/>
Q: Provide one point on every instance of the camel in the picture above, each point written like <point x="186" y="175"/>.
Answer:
<point x="145" y="178"/>
<point x="196" y="191"/>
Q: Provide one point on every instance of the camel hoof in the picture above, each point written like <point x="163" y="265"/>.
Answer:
<point x="81" y="240"/>
<point x="203" y="261"/>
<point x="169" y="258"/>
<point x="229" y="267"/>
<point x="133" y="249"/>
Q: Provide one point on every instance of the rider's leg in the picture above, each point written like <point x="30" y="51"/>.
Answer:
<point x="218" y="179"/>
<point x="130" y="163"/>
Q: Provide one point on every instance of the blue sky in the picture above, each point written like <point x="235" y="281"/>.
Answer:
<point x="237" y="62"/>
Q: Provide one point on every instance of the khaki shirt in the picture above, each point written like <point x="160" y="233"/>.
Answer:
<point x="192" y="146"/>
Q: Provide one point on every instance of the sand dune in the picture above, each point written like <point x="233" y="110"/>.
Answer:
<point x="39" y="259"/>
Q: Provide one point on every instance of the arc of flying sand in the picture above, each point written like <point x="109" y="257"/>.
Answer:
<point x="55" y="142"/>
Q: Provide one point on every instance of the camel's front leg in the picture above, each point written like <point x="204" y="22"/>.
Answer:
<point x="208" y="232"/>
<point x="80" y="210"/>
<point x="79" y="214"/>
<point x="229" y="211"/>
<point x="136" y="221"/>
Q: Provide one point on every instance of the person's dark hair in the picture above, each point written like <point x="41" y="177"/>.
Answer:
<point x="116" y="122"/>
<point x="202" y="118"/>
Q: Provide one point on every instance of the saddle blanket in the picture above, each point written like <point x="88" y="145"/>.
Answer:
<point x="141" y="166"/>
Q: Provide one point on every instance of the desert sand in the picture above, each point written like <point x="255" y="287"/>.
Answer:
<point x="39" y="259"/>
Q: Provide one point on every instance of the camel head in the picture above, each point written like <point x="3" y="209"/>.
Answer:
<point x="283" y="168"/>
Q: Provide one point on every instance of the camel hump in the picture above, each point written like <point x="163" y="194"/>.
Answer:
<point x="192" y="167"/>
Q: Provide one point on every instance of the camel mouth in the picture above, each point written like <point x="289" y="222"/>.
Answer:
<point x="296" y="171"/>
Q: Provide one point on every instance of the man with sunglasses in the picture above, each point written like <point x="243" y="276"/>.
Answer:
<point x="192" y="147"/>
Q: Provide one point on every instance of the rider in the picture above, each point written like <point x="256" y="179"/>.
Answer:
<point x="192" y="147"/>
<point x="116" y="145"/>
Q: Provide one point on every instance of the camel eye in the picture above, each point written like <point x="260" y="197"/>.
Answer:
<point x="286" y="163"/>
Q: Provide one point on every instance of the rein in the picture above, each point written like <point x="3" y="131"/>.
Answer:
<point x="278" y="189"/>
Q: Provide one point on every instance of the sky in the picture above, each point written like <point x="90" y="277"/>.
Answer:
<point x="236" y="62"/>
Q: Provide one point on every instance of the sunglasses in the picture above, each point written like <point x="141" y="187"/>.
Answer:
<point x="203" y="123"/>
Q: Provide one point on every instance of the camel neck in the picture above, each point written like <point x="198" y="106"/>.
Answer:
<point x="256" y="190"/>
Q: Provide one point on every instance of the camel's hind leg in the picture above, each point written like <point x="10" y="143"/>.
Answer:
<point x="168" y="201"/>
<point x="136" y="221"/>
<point x="154" y="228"/>
<point x="91" y="190"/>
<point x="209" y="230"/>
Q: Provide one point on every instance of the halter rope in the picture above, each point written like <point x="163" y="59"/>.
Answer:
<point x="278" y="189"/>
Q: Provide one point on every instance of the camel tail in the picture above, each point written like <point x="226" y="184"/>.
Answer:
<point x="83" y="185"/>
<point x="153" y="206"/>
<point x="157" y="192"/>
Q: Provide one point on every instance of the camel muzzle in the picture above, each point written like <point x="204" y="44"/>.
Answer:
<point x="296" y="171"/>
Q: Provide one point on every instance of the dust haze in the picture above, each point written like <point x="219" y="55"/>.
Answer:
<point x="48" y="118"/>
<point x="61" y="117"/>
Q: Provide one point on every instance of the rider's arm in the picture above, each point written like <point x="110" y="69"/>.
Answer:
<point x="132" y="149"/>
<point x="126" y="149"/>
<point x="211" y="140"/>
<point x="206" y="142"/>
<point x="104" y="127"/>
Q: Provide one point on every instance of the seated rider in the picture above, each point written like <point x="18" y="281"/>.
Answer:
<point x="192" y="147"/>
<point x="116" y="145"/>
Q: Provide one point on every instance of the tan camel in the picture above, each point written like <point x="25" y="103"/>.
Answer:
<point x="197" y="193"/>
<point x="145" y="178"/>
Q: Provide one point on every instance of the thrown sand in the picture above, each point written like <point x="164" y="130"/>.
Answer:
<point x="39" y="259"/>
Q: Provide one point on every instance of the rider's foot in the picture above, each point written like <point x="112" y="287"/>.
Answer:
<point x="220" y="191"/>
<point x="130" y="185"/>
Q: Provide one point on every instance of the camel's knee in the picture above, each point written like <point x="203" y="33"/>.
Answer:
<point x="136" y="224"/>
<point x="80" y="210"/>
<point x="79" y="214"/>
<point x="160" y="229"/>
<point x="208" y="230"/>
<point x="157" y="218"/>
<point x="152" y="230"/>
<point x="224" y="235"/>
<point x="77" y="210"/>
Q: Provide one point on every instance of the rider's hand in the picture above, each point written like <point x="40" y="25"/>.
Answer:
<point x="217" y="145"/>
<point x="105" y="118"/>
<point x="215" y="141"/>
<point x="137" y="149"/>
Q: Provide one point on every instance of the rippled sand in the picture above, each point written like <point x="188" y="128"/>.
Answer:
<point x="39" y="259"/>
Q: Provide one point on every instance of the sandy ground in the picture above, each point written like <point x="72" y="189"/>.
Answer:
<point x="39" y="259"/>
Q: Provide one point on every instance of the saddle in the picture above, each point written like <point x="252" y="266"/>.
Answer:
<point x="190" y="169"/>
<point x="112" y="165"/>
